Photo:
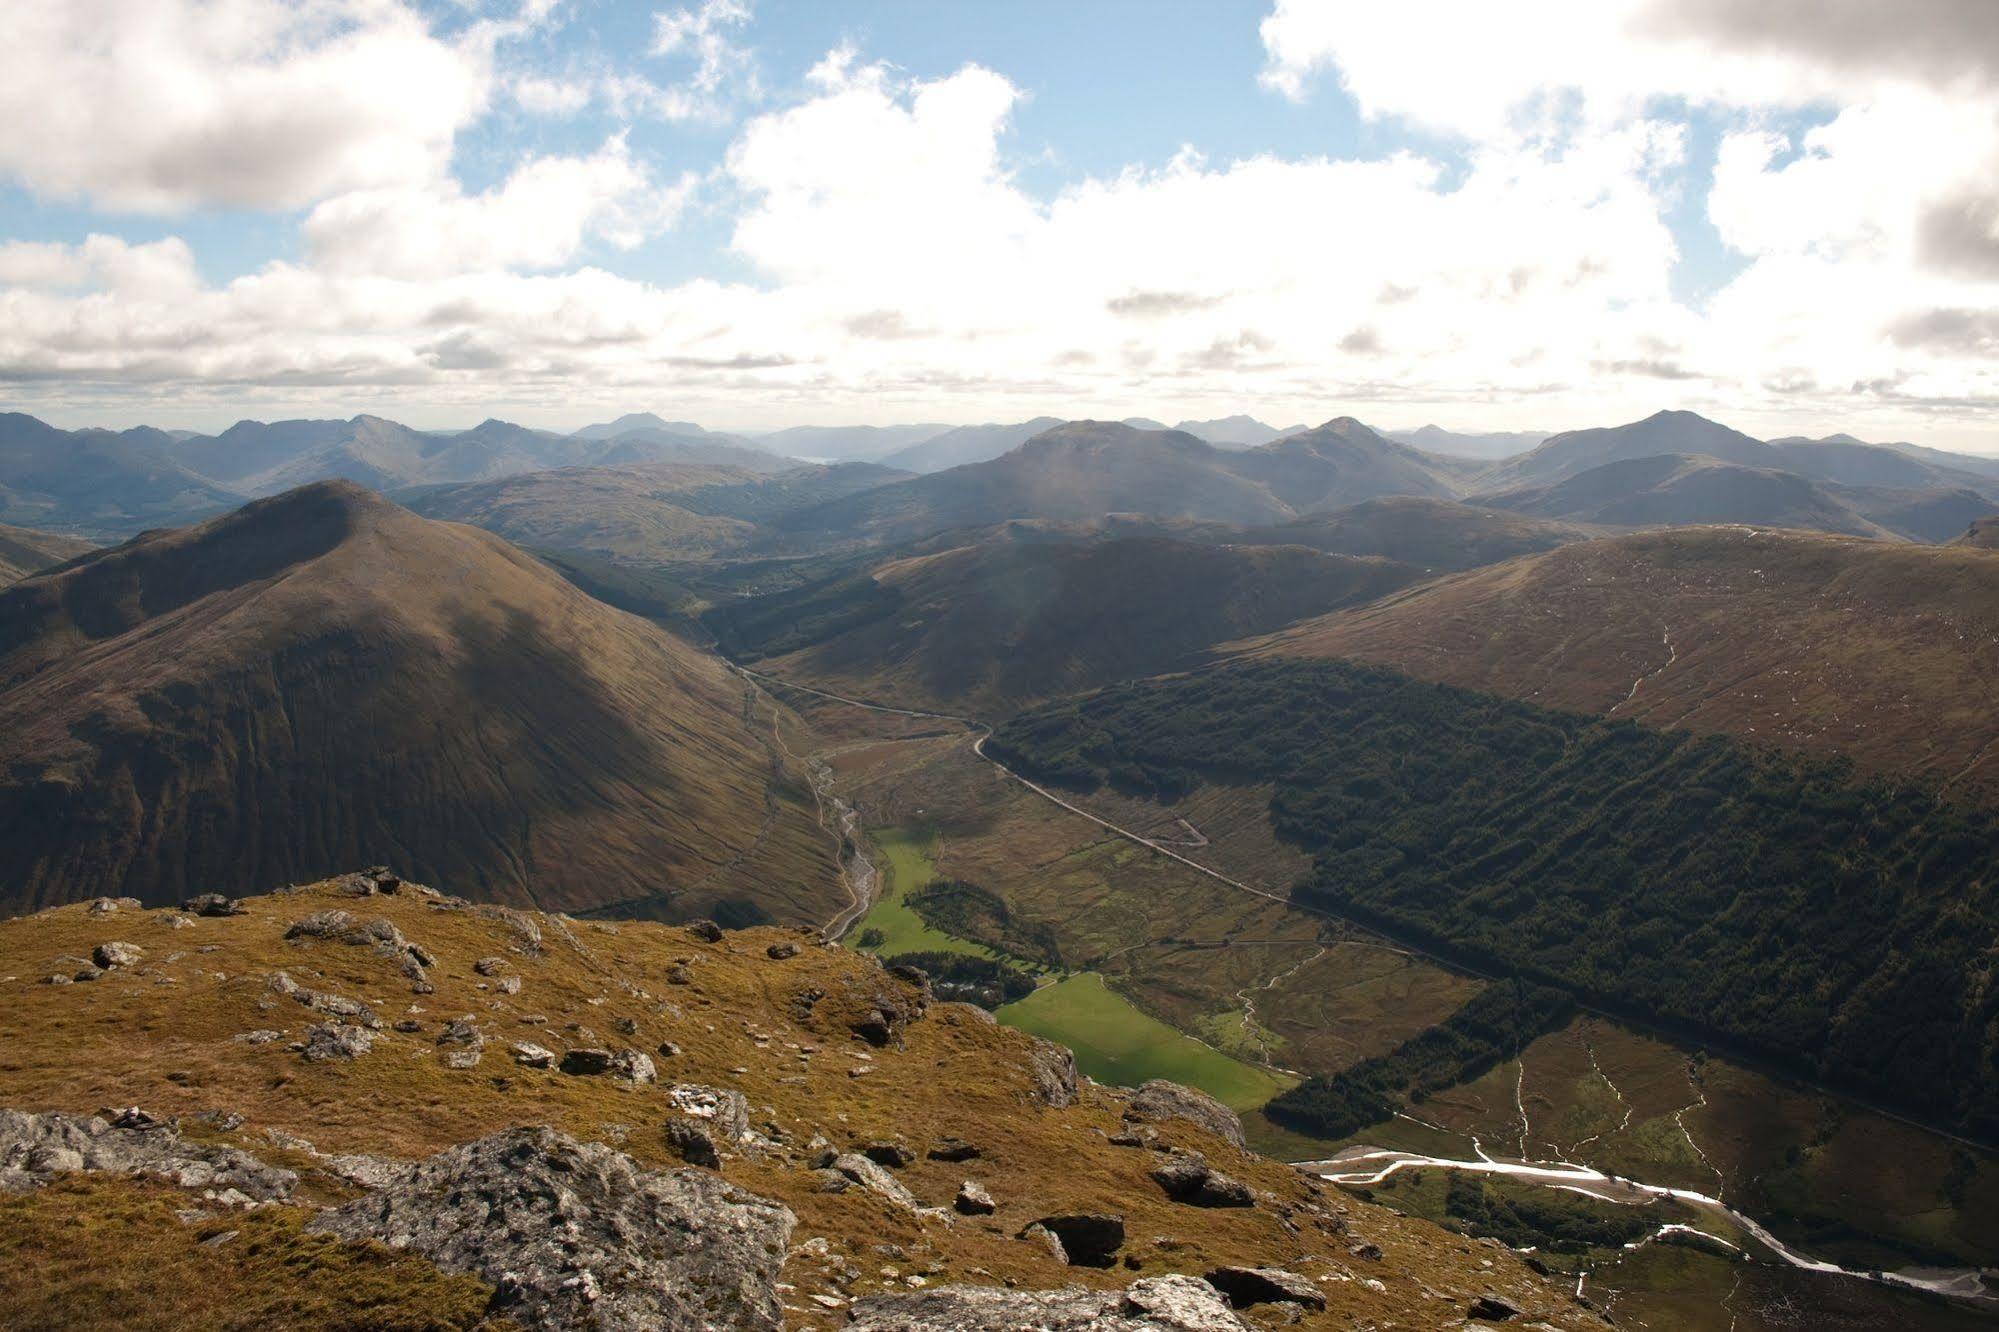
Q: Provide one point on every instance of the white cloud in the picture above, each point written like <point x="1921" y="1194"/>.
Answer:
<point x="903" y="269"/>
<point x="539" y="218"/>
<point x="165" y="105"/>
<point x="156" y="269"/>
<point x="724" y="70"/>
<point x="542" y="95"/>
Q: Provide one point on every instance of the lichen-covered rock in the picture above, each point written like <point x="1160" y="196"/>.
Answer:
<point x="1188" y="1178"/>
<point x="35" y="1148"/>
<point x="1245" y="1286"/>
<point x="319" y="1001"/>
<point x="529" y="1055"/>
<point x="575" y="1234"/>
<point x="461" y="1043"/>
<point x="113" y="954"/>
<point x="634" y="1066"/>
<point x="1155" y="1304"/>
<point x="1159" y="1100"/>
<point x="874" y="1179"/>
<point x="725" y="1112"/>
<point x="324" y="1041"/>
<point x="1054" y="1068"/>
<point x="707" y="931"/>
<point x="972" y="1200"/>
<point x="212" y="904"/>
<point x="693" y="1141"/>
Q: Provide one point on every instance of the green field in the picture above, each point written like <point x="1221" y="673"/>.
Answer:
<point x="906" y="868"/>
<point x="1116" y="1043"/>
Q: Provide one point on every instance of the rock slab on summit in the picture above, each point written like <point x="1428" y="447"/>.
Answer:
<point x="575" y="1234"/>
<point x="1155" y="1304"/>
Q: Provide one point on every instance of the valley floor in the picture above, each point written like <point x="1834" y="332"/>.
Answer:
<point x="1169" y="971"/>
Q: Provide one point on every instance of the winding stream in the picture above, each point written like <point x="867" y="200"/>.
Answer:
<point x="1369" y="1165"/>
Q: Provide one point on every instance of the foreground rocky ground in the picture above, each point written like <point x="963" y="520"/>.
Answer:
<point x="364" y="1103"/>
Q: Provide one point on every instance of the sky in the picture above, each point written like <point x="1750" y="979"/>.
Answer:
<point x="760" y="213"/>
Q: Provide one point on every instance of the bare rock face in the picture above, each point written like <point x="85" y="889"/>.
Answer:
<point x="577" y="1235"/>
<point x="35" y="1148"/>
<point x="1155" y="1304"/>
<point x="1054" y="1071"/>
<point x="1160" y="1099"/>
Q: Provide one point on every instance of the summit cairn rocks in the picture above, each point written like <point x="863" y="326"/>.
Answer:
<point x="1155" y="1304"/>
<point x="575" y="1234"/>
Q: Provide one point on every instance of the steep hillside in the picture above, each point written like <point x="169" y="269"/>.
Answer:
<point x="1838" y="926"/>
<point x="1564" y="455"/>
<point x="1490" y="446"/>
<point x="571" y="1125"/>
<point x="989" y="627"/>
<point x="859" y="443"/>
<point x="1983" y="534"/>
<point x="1431" y="534"/>
<point x="1072" y="473"/>
<point x="1343" y="462"/>
<point x="967" y="444"/>
<point x="1677" y="490"/>
<point x="1888" y="653"/>
<point x="1934" y="514"/>
<point x="322" y="678"/>
<point x="1084" y="470"/>
<point x="97" y="482"/>
<point x="647" y="513"/>
<point x="1236" y="432"/>
<point x="24" y="551"/>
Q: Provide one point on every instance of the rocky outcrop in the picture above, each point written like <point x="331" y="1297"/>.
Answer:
<point x="1054" y="1069"/>
<point x="1188" y="1178"/>
<point x="381" y="935"/>
<point x="1155" y="1304"/>
<point x="1160" y="1100"/>
<point x="724" y="1112"/>
<point x="575" y="1234"/>
<point x="319" y="1001"/>
<point x="1087" y="1239"/>
<point x="36" y="1148"/>
<point x="325" y="1041"/>
<point x="873" y="1178"/>
<point x="113" y="954"/>
<point x="1245" y="1286"/>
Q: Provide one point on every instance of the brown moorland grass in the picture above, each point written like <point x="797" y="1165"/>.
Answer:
<point x="161" y="1035"/>
<point x="1887" y="653"/>
<point x="322" y="680"/>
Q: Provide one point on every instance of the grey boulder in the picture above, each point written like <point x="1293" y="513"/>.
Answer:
<point x="1154" y="1304"/>
<point x="574" y="1234"/>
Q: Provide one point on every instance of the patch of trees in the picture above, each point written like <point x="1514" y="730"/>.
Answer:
<point x="1494" y="1025"/>
<point x="964" y="978"/>
<point x="1537" y="1219"/>
<point x="971" y="912"/>
<point x="1775" y="904"/>
<point x="781" y="622"/>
